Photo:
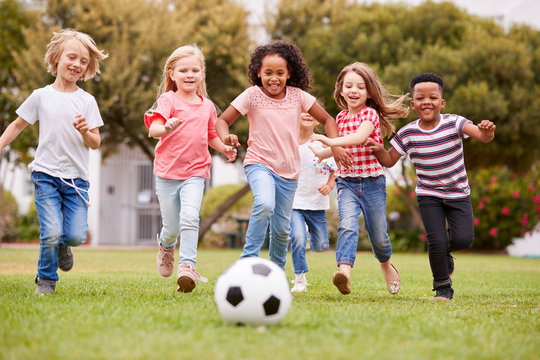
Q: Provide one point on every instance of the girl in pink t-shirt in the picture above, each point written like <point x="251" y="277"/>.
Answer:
<point x="183" y="119"/>
<point x="273" y="106"/>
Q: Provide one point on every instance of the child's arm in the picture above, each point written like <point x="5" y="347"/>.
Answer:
<point x="225" y="120"/>
<point x="160" y="127"/>
<point x="386" y="158"/>
<point x="91" y="138"/>
<point x="484" y="132"/>
<point x="357" y="138"/>
<point x="326" y="188"/>
<point x="218" y="145"/>
<point x="322" y="154"/>
<point x="12" y="131"/>
<point x="341" y="155"/>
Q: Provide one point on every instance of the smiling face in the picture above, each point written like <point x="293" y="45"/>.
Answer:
<point x="307" y="121"/>
<point x="354" y="91"/>
<point x="187" y="74"/>
<point x="72" y="62"/>
<point x="427" y="102"/>
<point x="274" y="75"/>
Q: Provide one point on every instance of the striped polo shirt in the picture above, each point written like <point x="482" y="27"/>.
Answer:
<point x="437" y="155"/>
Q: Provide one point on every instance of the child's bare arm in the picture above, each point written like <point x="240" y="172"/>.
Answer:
<point x="12" y="131"/>
<point x="484" y="132"/>
<point x="160" y="127"/>
<point x="357" y="138"/>
<point x="228" y="151"/>
<point x="326" y="188"/>
<point x="322" y="154"/>
<point x="226" y="119"/>
<point x="91" y="138"/>
<point x="386" y="158"/>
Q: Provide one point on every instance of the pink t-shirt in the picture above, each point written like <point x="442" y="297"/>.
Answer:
<point x="184" y="152"/>
<point x="273" y="128"/>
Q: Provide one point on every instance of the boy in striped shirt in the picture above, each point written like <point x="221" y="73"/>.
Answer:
<point x="434" y="145"/>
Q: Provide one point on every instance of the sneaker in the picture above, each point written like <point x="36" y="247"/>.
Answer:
<point x="187" y="277"/>
<point x="45" y="286"/>
<point x="450" y="265"/>
<point x="342" y="282"/>
<point x="165" y="260"/>
<point x="300" y="283"/>
<point x="65" y="258"/>
<point x="445" y="293"/>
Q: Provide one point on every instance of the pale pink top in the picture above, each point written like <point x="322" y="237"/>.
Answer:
<point x="274" y="128"/>
<point x="184" y="152"/>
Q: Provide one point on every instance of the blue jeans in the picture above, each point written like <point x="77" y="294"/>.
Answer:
<point x="272" y="203"/>
<point x="442" y="239"/>
<point x="63" y="218"/>
<point x="180" y="205"/>
<point x="367" y="196"/>
<point x="315" y="220"/>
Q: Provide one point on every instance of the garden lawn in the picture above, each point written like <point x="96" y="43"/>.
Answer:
<point x="114" y="305"/>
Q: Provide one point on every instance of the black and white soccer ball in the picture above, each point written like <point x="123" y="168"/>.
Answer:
<point x="253" y="291"/>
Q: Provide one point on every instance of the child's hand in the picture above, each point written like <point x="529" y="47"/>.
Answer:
<point x="81" y="124"/>
<point x="343" y="157"/>
<point x="325" y="189"/>
<point x="372" y="145"/>
<point x="172" y="124"/>
<point x="318" y="137"/>
<point x="230" y="153"/>
<point x="487" y="128"/>
<point x="316" y="152"/>
<point x="231" y="140"/>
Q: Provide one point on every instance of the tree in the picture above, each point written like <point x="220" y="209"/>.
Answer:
<point x="489" y="73"/>
<point x="139" y="35"/>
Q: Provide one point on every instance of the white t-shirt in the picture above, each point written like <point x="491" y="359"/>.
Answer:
<point x="312" y="176"/>
<point x="61" y="151"/>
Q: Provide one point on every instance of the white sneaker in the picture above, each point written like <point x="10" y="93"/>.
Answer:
<point x="300" y="283"/>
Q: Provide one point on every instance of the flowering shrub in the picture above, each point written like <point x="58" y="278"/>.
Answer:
<point x="505" y="206"/>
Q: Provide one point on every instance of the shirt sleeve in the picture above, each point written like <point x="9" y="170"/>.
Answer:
<point x="397" y="144"/>
<point x="212" y="123"/>
<point x="307" y="101"/>
<point x="371" y="115"/>
<point x="461" y="122"/>
<point x="241" y="103"/>
<point x="93" y="117"/>
<point x="28" y="110"/>
<point x="164" y="110"/>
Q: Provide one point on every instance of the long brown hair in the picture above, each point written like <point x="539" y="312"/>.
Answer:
<point x="388" y="106"/>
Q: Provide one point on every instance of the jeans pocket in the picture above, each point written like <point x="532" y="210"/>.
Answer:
<point x="43" y="186"/>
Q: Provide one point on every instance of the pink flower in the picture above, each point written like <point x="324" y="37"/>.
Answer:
<point x="530" y="188"/>
<point x="422" y="238"/>
<point x="515" y="194"/>
<point x="493" y="232"/>
<point x="505" y="211"/>
<point x="537" y="199"/>
<point x="476" y="221"/>
<point x="524" y="220"/>
<point x="493" y="180"/>
<point x="412" y="195"/>
<point x="481" y="205"/>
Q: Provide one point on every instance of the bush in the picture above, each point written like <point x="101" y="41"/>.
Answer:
<point x="28" y="225"/>
<point x="505" y="205"/>
<point x="8" y="217"/>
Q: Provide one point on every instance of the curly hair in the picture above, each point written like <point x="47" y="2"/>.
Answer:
<point x="387" y="105"/>
<point x="300" y="73"/>
<point x="427" y="77"/>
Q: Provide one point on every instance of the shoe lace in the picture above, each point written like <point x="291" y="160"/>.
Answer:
<point x="191" y="269"/>
<point x="168" y="256"/>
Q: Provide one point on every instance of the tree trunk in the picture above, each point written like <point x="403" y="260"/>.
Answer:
<point x="207" y="223"/>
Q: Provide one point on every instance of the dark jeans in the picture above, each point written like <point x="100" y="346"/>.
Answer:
<point x="449" y="227"/>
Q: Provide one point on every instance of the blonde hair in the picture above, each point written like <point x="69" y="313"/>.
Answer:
<point x="56" y="47"/>
<point x="386" y="104"/>
<point x="167" y="84"/>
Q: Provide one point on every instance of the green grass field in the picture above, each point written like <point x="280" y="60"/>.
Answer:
<point x="114" y="305"/>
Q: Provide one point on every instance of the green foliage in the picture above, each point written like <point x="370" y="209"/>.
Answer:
<point x="28" y="225"/>
<point x="139" y="35"/>
<point x="8" y="216"/>
<point x="215" y="196"/>
<point x="489" y="73"/>
<point x="114" y="305"/>
<point x="506" y="205"/>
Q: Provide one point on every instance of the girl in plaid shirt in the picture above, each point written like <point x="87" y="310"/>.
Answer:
<point x="362" y="186"/>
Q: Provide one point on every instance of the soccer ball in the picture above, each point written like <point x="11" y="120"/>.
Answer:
<point x="253" y="291"/>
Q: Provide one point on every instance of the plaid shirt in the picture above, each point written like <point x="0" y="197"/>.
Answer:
<point x="365" y="164"/>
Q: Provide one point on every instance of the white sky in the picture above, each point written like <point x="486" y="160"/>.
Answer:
<point x="505" y="12"/>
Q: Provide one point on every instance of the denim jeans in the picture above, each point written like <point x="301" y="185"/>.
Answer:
<point x="367" y="196"/>
<point x="180" y="205"/>
<point x="315" y="220"/>
<point x="272" y="203"/>
<point x="63" y="218"/>
<point x="436" y="214"/>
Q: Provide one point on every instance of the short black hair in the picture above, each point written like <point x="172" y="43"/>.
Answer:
<point x="427" y="77"/>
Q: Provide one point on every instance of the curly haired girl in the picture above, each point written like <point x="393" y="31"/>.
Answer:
<point x="273" y="106"/>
